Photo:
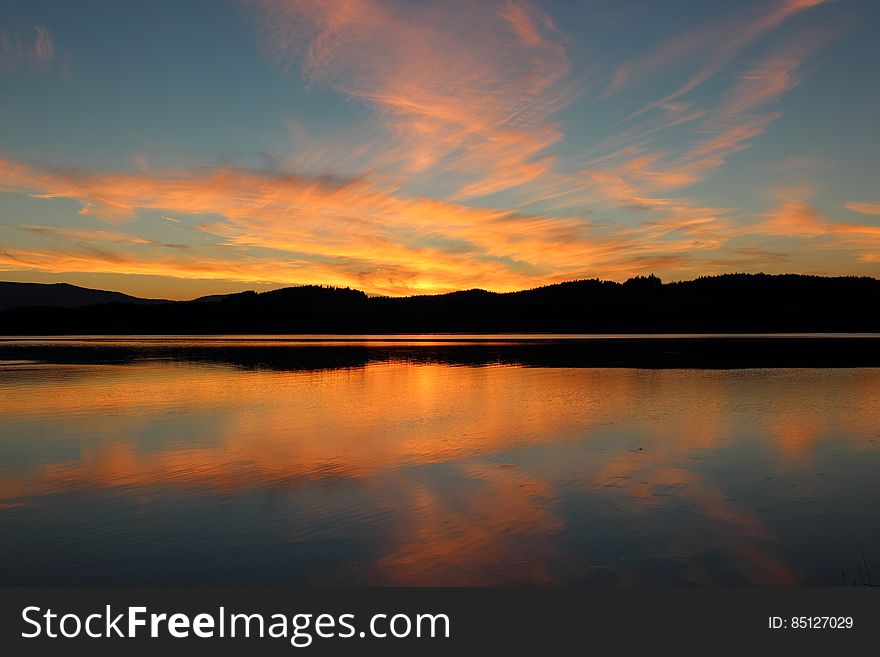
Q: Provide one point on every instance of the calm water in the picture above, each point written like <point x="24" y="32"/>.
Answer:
<point x="170" y="471"/>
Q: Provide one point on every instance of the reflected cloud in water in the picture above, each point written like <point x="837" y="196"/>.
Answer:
<point x="403" y="473"/>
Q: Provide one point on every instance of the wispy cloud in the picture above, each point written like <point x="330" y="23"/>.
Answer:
<point x="270" y="226"/>
<point x="864" y="208"/>
<point x="644" y="174"/>
<point x="464" y="89"/>
<point x="17" y="53"/>
<point x="714" y="44"/>
<point x="795" y="216"/>
<point x="462" y="174"/>
<point x="351" y="231"/>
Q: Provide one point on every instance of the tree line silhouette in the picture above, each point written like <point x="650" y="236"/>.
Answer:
<point x="730" y="303"/>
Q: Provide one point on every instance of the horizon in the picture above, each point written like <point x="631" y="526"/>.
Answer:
<point x="177" y="151"/>
<point x="471" y="289"/>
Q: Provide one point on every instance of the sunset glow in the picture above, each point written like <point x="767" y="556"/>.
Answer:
<point x="476" y="427"/>
<point x="176" y="149"/>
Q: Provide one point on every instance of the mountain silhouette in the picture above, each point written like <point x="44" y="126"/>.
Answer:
<point x="730" y="303"/>
<point x="60" y="295"/>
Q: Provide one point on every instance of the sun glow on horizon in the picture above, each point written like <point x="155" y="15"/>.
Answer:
<point x="399" y="147"/>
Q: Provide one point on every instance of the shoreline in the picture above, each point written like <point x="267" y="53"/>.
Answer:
<point x="650" y="352"/>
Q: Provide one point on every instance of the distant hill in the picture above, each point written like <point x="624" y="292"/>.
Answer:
<point x="65" y="295"/>
<point x="208" y="299"/>
<point x="60" y="295"/>
<point x="732" y="303"/>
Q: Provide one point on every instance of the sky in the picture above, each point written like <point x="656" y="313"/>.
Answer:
<point x="173" y="149"/>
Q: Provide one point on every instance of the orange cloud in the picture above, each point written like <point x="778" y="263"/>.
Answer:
<point x="739" y="117"/>
<point x="865" y="208"/>
<point x="795" y="216"/>
<point x="339" y="231"/>
<point x="464" y="99"/>
<point x="715" y="44"/>
<point x="464" y="89"/>
<point x="257" y="226"/>
<point x="633" y="174"/>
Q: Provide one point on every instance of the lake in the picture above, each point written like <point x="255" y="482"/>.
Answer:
<point x="428" y="461"/>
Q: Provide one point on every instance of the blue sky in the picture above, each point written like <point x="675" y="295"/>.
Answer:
<point x="181" y="148"/>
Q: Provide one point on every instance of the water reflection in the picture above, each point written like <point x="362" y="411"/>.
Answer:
<point x="402" y="473"/>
